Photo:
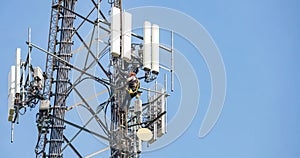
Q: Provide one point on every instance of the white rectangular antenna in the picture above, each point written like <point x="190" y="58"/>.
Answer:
<point x="38" y="73"/>
<point x="163" y="129"/>
<point x="155" y="49"/>
<point x="115" y="32"/>
<point x="38" y="76"/>
<point x="18" y="71"/>
<point x="147" y="46"/>
<point x="11" y="92"/>
<point x="126" y="35"/>
<point x="138" y="106"/>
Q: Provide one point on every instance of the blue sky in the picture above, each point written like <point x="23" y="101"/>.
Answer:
<point x="259" y="43"/>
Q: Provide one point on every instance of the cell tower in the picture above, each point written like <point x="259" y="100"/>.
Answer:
<point x="132" y="119"/>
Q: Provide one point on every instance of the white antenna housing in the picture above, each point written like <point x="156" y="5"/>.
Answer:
<point x="155" y="49"/>
<point x="18" y="71"/>
<point x="147" y="46"/>
<point x="115" y="32"/>
<point x="38" y="73"/>
<point x="11" y="92"/>
<point x="138" y="106"/>
<point x="126" y="35"/>
<point x="38" y="76"/>
<point x="163" y="128"/>
<point x="45" y="105"/>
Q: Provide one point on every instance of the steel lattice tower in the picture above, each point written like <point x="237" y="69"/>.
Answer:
<point x="52" y="87"/>
<point x="62" y="78"/>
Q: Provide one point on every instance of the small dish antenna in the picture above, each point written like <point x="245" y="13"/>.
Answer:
<point x="144" y="134"/>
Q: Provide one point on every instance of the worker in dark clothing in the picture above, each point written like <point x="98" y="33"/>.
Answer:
<point x="133" y="85"/>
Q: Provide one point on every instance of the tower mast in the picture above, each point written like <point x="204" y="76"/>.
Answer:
<point x="62" y="78"/>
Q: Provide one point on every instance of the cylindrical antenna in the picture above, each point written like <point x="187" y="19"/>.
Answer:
<point x="23" y="84"/>
<point x="155" y="49"/>
<point x="29" y="52"/>
<point x="12" y="133"/>
<point x="126" y="35"/>
<point x="147" y="46"/>
<point x="18" y="71"/>
<point x="115" y="32"/>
